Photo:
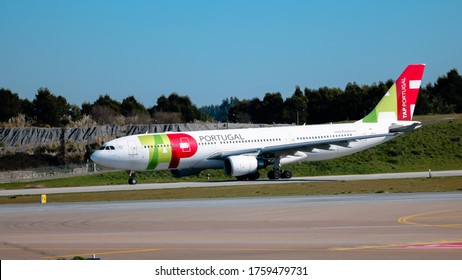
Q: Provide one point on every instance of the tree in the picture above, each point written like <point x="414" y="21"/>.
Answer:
<point x="424" y="101"/>
<point x="166" y="117"/>
<point x="104" y="110"/>
<point x="86" y="108"/>
<point x="321" y="108"/>
<point x="177" y="104"/>
<point x="50" y="109"/>
<point x="240" y="112"/>
<point x="295" y="107"/>
<point x="348" y="105"/>
<point x="106" y="100"/>
<point x="220" y="112"/>
<point x="449" y="89"/>
<point x="27" y="108"/>
<point x="10" y="105"/>
<point x="103" y="114"/>
<point x="74" y="114"/>
<point x="130" y="106"/>
<point x="134" y="111"/>
<point x="271" y="108"/>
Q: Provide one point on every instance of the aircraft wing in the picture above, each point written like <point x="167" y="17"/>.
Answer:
<point x="325" y="144"/>
<point x="225" y="154"/>
<point x="292" y="148"/>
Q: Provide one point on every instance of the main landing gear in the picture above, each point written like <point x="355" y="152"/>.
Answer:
<point x="279" y="174"/>
<point x="132" y="179"/>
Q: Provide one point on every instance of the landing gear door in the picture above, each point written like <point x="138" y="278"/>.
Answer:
<point x="132" y="148"/>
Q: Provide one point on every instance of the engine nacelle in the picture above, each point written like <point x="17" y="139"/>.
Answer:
<point x="240" y="165"/>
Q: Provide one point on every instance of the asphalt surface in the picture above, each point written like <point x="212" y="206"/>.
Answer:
<point x="39" y="191"/>
<point x="373" y="226"/>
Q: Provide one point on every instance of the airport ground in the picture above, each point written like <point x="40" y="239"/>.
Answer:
<point x="370" y="226"/>
<point x="342" y="226"/>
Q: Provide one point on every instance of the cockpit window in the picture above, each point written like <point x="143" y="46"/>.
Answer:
<point x="107" y="148"/>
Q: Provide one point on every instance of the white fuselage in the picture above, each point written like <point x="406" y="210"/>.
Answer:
<point x="131" y="153"/>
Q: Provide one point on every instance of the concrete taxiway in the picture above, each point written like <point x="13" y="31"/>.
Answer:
<point x="373" y="226"/>
<point x="39" y="191"/>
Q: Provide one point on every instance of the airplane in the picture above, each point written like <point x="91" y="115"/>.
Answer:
<point x="242" y="152"/>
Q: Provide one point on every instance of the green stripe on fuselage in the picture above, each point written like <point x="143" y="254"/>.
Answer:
<point x="159" y="147"/>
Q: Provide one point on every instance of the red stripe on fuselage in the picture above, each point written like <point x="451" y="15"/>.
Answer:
<point x="183" y="146"/>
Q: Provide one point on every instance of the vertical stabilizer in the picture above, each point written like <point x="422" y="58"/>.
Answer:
<point x="398" y="103"/>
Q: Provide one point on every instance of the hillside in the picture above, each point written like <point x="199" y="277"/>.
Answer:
<point x="435" y="146"/>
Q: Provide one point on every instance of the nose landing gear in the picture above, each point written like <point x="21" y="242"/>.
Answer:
<point x="132" y="179"/>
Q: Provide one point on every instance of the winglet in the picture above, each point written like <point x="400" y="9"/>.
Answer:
<point x="398" y="103"/>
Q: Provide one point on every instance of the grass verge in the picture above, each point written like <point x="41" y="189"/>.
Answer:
<point x="443" y="184"/>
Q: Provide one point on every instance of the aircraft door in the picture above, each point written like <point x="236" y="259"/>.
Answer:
<point x="132" y="148"/>
<point x="290" y="138"/>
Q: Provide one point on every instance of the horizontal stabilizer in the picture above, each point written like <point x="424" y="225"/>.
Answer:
<point x="404" y="128"/>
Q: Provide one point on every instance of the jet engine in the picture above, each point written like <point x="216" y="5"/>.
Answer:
<point x="240" y="165"/>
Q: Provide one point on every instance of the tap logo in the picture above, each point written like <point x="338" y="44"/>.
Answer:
<point x="407" y="90"/>
<point x="404" y="108"/>
<point x="168" y="149"/>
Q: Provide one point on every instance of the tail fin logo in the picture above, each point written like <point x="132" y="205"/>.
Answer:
<point x="408" y="89"/>
<point x="398" y="104"/>
<point x="404" y="108"/>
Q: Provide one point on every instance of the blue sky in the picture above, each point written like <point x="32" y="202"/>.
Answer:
<point x="211" y="50"/>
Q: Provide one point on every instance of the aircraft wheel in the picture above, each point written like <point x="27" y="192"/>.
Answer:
<point x="132" y="181"/>
<point x="274" y="174"/>
<point x="286" y="174"/>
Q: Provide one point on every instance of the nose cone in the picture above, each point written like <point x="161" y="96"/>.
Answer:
<point x="96" y="157"/>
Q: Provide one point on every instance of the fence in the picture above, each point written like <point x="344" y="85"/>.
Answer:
<point x="48" y="172"/>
